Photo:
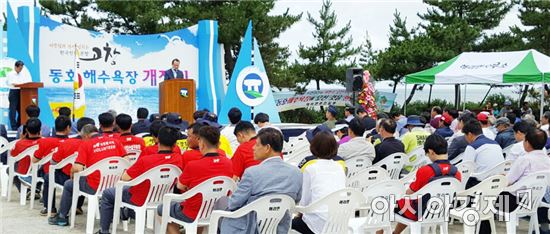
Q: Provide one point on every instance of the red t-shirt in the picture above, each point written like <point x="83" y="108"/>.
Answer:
<point x="24" y="164"/>
<point x="244" y="158"/>
<point x="45" y="147"/>
<point x="196" y="172"/>
<point x="154" y="149"/>
<point x="423" y="176"/>
<point x="111" y="134"/>
<point x="96" y="149"/>
<point x="145" y="163"/>
<point x="195" y="154"/>
<point x="131" y="143"/>
<point x="66" y="148"/>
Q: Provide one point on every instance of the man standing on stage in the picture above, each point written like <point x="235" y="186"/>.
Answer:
<point x="15" y="78"/>
<point x="174" y="72"/>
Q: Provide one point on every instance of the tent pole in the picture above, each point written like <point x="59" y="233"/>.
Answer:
<point x="405" y="101"/>
<point x="541" y="100"/>
<point x="485" y="98"/>
<point x="464" y="101"/>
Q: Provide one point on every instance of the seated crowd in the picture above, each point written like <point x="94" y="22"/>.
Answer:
<point x="252" y="155"/>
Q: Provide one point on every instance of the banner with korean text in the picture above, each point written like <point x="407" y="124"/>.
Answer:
<point x="337" y="97"/>
<point x="121" y="72"/>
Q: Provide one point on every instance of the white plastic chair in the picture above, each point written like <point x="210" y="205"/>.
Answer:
<point x="481" y="203"/>
<point x="133" y="156"/>
<point x="111" y="169"/>
<point x="211" y="190"/>
<point x="34" y="172"/>
<point x="380" y="193"/>
<point x="51" y="176"/>
<point x="366" y="177"/>
<point x="458" y="159"/>
<point x="466" y="169"/>
<point x="340" y="207"/>
<point x="29" y="152"/>
<point x="507" y="150"/>
<point x="300" y="150"/>
<point x="408" y="178"/>
<point x="534" y="187"/>
<point x="162" y="180"/>
<point x="5" y="146"/>
<point x="500" y="169"/>
<point x="415" y="159"/>
<point x="442" y="193"/>
<point x="356" y="165"/>
<point x="269" y="209"/>
<point x="393" y="164"/>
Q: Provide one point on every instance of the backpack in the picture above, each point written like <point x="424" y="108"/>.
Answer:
<point x="437" y="170"/>
<point x="438" y="175"/>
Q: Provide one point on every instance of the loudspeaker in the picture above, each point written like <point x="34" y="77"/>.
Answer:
<point x="354" y="79"/>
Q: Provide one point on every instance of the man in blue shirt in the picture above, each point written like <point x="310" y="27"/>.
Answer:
<point x="33" y="111"/>
<point x="444" y="129"/>
<point x="505" y="136"/>
<point x="142" y="125"/>
<point x="66" y="111"/>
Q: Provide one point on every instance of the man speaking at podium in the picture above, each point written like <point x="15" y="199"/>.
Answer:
<point x="174" y="72"/>
<point x="16" y="78"/>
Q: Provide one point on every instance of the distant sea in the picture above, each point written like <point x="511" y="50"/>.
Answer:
<point x="473" y="93"/>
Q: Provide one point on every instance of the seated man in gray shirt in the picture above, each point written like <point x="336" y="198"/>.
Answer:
<point x="271" y="176"/>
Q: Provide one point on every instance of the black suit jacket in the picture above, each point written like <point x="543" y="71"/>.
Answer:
<point x="4" y="133"/>
<point x="169" y="74"/>
<point x="141" y="126"/>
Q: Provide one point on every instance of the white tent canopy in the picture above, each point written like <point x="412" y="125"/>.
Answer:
<point x="507" y="68"/>
<point x="528" y="66"/>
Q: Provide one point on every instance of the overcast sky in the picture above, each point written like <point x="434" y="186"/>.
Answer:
<point x="374" y="16"/>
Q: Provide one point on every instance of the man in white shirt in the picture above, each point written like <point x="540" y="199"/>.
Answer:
<point x="534" y="161"/>
<point x="357" y="146"/>
<point x="348" y="113"/>
<point x="16" y="78"/>
<point x="486" y="153"/>
<point x="517" y="150"/>
<point x="483" y="118"/>
<point x="262" y="121"/>
<point x="235" y="116"/>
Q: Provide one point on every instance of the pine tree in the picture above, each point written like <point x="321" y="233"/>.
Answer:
<point x="456" y="26"/>
<point x="399" y="31"/>
<point x="409" y="52"/>
<point x="367" y="54"/>
<point x="72" y="12"/>
<point x="328" y="59"/>
<point x="536" y="16"/>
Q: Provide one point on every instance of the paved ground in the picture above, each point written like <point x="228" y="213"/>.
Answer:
<point x="18" y="219"/>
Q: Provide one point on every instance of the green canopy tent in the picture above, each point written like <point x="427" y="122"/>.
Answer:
<point x="493" y="68"/>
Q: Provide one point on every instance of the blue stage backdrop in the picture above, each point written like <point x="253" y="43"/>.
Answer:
<point x="119" y="72"/>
